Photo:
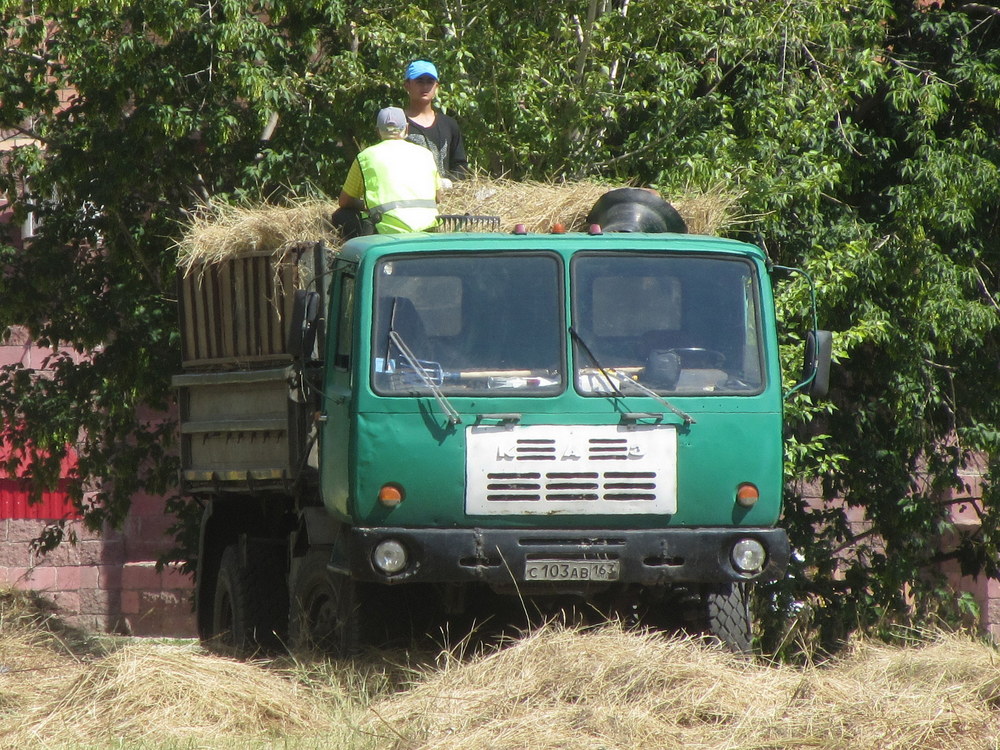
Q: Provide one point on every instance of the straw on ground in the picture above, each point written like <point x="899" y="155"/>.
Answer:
<point x="553" y="688"/>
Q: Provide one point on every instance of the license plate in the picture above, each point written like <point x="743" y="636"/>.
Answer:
<point x="572" y="570"/>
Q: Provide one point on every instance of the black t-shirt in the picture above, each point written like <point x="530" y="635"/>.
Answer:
<point x="444" y="139"/>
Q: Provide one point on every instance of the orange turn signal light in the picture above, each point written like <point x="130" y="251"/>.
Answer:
<point x="747" y="494"/>
<point x="390" y="495"/>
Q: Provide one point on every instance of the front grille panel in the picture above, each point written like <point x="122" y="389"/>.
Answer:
<point x="612" y="485"/>
<point x="566" y="469"/>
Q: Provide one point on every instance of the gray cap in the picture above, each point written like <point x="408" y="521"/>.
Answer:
<point x="391" y="121"/>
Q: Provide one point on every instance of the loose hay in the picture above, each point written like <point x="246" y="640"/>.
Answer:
<point x="36" y="650"/>
<point x="224" y="231"/>
<point x="611" y="689"/>
<point x="539" y="205"/>
<point x="154" y="692"/>
<point x="553" y="688"/>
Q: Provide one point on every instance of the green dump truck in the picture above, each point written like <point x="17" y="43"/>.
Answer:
<point x="589" y="417"/>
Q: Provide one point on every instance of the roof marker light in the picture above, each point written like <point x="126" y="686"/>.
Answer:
<point x="519" y="229"/>
<point x="595" y="229"/>
<point x="558" y="228"/>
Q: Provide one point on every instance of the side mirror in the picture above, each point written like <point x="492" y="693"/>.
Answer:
<point x="302" y="327"/>
<point x="819" y="347"/>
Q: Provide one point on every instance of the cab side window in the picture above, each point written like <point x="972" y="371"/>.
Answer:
<point x="345" y="323"/>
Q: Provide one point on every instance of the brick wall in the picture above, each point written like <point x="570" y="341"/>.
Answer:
<point x="986" y="591"/>
<point x="104" y="581"/>
<point x="963" y="504"/>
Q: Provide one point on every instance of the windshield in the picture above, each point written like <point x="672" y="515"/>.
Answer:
<point x="473" y="324"/>
<point x="674" y="324"/>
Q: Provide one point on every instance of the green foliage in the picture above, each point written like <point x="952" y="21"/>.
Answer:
<point x="861" y="135"/>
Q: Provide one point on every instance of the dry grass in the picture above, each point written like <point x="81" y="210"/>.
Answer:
<point x="144" y="692"/>
<point x="148" y="691"/>
<point x="224" y="231"/>
<point x="32" y="651"/>
<point x="538" y="205"/>
<point x="554" y="688"/>
<point x="610" y="689"/>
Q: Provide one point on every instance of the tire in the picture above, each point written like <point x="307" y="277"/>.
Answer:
<point x="324" y="608"/>
<point x="231" y="606"/>
<point x="249" y="603"/>
<point x="727" y="615"/>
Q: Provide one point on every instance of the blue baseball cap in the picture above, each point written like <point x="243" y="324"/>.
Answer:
<point x="419" y="68"/>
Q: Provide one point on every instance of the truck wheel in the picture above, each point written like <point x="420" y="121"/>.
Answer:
<point x="231" y="608"/>
<point x="246" y="610"/>
<point x="727" y="613"/>
<point x="323" y="612"/>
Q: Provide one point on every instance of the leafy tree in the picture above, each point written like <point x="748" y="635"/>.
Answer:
<point x="136" y="111"/>
<point x="861" y="136"/>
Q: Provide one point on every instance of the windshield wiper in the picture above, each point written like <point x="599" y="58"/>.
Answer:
<point x="583" y="344"/>
<point x="613" y="375"/>
<point x="446" y="407"/>
<point x="623" y="378"/>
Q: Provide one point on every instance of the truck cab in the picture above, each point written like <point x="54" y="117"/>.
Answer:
<point x="552" y="414"/>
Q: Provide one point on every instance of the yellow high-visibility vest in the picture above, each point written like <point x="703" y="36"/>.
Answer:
<point x="401" y="182"/>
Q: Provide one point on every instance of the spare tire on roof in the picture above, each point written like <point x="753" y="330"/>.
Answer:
<point x="635" y="210"/>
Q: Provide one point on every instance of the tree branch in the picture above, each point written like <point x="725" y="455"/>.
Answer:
<point x="265" y="136"/>
<point x="985" y="290"/>
<point x="978" y="9"/>
<point x="585" y="35"/>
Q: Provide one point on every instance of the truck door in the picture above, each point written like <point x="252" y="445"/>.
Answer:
<point x="338" y="393"/>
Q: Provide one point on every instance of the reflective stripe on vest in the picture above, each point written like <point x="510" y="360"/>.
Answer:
<point x="400" y="185"/>
<point x="375" y="214"/>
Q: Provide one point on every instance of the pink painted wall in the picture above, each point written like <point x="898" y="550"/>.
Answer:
<point x="103" y="580"/>
<point x="963" y="505"/>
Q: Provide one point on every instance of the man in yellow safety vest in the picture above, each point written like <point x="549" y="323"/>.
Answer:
<point x="396" y="182"/>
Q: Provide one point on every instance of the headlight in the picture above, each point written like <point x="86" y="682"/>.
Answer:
<point x="748" y="556"/>
<point x="390" y="556"/>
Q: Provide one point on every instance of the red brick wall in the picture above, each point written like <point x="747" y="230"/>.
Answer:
<point x="105" y="581"/>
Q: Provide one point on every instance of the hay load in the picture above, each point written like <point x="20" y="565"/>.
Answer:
<point x="225" y="231"/>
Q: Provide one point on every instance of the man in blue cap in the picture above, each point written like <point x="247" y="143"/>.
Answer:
<point x="430" y="128"/>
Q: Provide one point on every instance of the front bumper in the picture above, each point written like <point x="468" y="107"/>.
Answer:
<point x="498" y="556"/>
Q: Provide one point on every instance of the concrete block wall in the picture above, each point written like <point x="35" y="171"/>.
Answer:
<point x="104" y="581"/>
<point x="963" y="504"/>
